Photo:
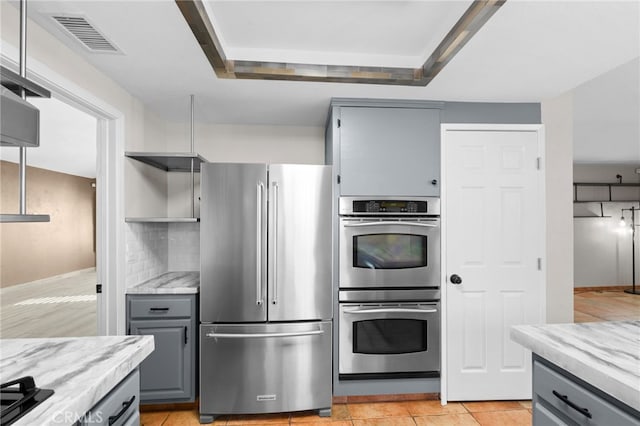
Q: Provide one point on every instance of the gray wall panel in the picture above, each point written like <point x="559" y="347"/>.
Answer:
<point x="481" y="112"/>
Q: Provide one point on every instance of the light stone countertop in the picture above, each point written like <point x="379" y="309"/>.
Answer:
<point x="604" y="354"/>
<point x="80" y="370"/>
<point x="187" y="282"/>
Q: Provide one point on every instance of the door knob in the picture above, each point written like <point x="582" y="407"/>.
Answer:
<point x="455" y="279"/>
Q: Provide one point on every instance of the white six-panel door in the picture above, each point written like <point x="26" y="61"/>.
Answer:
<point x="493" y="220"/>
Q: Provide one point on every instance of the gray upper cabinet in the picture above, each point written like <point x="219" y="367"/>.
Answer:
<point x="387" y="151"/>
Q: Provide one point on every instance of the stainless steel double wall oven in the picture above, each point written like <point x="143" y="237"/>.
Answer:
<point x="389" y="279"/>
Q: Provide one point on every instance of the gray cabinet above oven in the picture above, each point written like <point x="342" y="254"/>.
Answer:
<point x="387" y="148"/>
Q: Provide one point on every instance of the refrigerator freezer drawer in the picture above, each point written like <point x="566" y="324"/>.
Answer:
<point x="265" y="368"/>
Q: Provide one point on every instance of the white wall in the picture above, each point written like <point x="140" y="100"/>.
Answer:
<point x="242" y="144"/>
<point x="607" y="113"/>
<point x="140" y="127"/>
<point x="557" y="116"/>
<point x="602" y="248"/>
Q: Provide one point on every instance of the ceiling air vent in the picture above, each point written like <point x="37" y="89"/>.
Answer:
<point x="86" y="33"/>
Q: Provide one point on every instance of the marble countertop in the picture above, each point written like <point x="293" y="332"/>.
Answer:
<point x="80" y="370"/>
<point x="169" y="283"/>
<point x="604" y="354"/>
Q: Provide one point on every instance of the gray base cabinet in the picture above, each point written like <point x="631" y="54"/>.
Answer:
<point x="169" y="373"/>
<point x="119" y="407"/>
<point x="559" y="398"/>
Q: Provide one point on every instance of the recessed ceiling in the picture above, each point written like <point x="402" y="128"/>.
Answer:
<point x="372" y="44"/>
<point x="386" y="34"/>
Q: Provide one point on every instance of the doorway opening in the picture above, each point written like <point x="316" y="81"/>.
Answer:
<point x="48" y="275"/>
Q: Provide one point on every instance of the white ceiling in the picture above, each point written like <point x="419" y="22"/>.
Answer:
<point x="528" y="51"/>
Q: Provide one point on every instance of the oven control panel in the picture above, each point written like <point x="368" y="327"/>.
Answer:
<point x="389" y="206"/>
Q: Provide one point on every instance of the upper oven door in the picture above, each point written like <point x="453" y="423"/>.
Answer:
<point x="389" y="252"/>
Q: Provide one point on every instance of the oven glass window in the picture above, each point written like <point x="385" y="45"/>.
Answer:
<point x="389" y="336"/>
<point x="389" y="251"/>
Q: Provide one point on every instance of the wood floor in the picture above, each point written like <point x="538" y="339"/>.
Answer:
<point x="589" y="306"/>
<point x="61" y="306"/>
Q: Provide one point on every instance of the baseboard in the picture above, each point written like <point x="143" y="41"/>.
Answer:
<point x="353" y="399"/>
<point x="604" y="288"/>
<point x="176" y="406"/>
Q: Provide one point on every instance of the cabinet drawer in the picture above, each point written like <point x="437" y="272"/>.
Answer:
<point x="155" y="306"/>
<point x="542" y="416"/>
<point x="571" y="399"/>
<point x="118" y="406"/>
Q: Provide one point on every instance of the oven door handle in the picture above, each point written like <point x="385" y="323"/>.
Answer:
<point x="387" y="223"/>
<point x="390" y="311"/>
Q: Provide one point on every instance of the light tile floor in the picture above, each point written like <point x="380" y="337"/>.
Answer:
<point x="588" y="307"/>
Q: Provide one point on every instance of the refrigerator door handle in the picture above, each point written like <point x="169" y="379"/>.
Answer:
<point x="262" y="335"/>
<point x="274" y="300"/>
<point x="259" y="214"/>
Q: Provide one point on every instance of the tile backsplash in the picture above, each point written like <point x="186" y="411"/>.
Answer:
<point x="156" y="248"/>
<point x="184" y="246"/>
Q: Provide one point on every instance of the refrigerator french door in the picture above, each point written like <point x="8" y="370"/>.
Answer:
<point x="265" y="288"/>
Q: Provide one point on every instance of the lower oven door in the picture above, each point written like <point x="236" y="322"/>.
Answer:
<point x="398" y="339"/>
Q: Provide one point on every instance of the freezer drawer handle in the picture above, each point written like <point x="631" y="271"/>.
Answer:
<point x="424" y="225"/>
<point x="262" y="335"/>
<point x="390" y="311"/>
<point x="565" y="399"/>
<point x="259" y="192"/>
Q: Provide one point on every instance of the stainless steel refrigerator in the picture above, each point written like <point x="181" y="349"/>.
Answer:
<point x="265" y="289"/>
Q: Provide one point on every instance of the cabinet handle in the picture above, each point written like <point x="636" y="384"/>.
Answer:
<point x="125" y="407"/>
<point x="564" y="398"/>
<point x="186" y="335"/>
<point x="159" y="309"/>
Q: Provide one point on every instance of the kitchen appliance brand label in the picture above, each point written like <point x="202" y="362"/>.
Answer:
<point x="266" y="398"/>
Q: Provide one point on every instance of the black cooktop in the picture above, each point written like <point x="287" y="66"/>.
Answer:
<point x="18" y="397"/>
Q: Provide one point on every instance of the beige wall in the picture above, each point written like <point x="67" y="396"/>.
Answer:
<point x="557" y="116"/>
<point x="31" y="251"/>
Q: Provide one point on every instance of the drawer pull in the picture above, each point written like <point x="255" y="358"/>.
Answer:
<point x="125" y="407"/>
<point x="564" y="398"/>
<point x="158" y="309"/>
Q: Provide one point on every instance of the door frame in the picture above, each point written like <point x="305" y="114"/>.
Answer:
<point x="110" y="231"/>
<point x="444" y="128"/>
